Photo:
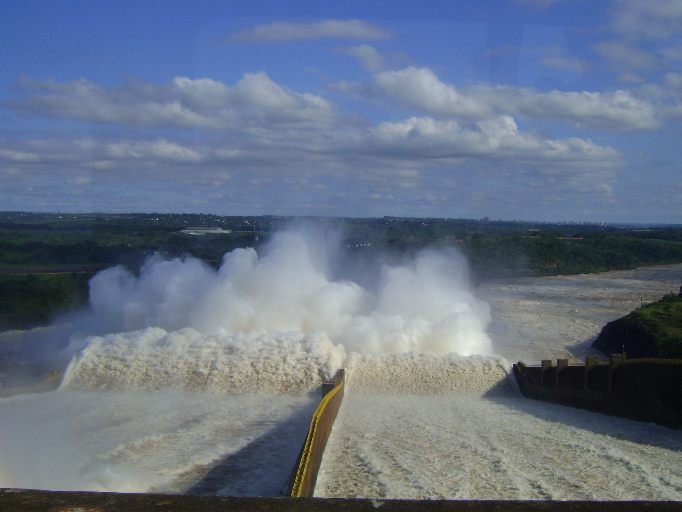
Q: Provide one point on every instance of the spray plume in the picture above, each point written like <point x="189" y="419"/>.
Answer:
<point x="288" y="304"/>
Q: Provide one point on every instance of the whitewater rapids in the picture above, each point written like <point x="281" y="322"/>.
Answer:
<point x="188" y="379"/>
<point x="496" y="447"/>
<point x="420" y="439"/>
<point x="142" y="441"/>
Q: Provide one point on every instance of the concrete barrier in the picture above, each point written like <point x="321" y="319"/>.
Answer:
<point x="21" y="500"/>
<point x="640" y="389"/>
<point x="310" y="457"/>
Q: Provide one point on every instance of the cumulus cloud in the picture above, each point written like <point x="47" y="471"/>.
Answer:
<point x="183" y="103"/>
<point x="496" y="137"/>
<point x="259" y="143"/>
<point x="415" y="142"/>
<point x="281" y="31"/>
<point x="421" y="89"/>
<point x="619" y="109"/>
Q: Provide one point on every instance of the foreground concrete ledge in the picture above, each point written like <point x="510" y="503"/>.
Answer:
<point x="25" y="500"/>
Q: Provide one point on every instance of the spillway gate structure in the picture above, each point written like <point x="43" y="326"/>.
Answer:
<point x="303" y="478"/>
<point x="643" y="389"/>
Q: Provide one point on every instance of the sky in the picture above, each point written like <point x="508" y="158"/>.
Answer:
<point x="547" y="110"/>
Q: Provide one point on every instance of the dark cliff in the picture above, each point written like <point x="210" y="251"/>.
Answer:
<point x="654" y="330"/>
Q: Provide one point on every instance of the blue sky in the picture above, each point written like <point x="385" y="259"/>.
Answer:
<point x="520" y="109"/>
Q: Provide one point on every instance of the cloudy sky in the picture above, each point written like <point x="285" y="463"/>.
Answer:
<point x="518" y="109"/>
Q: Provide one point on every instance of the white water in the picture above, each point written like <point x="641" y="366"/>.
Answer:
<point x="464" y="447"/>
<point x="186" y="378"/>
<point x="398" y="436"/>
<point x="296" y="285"/>
<point x="424" y="374"/>
<point x="159" y="393"/>
<point x="142" y="441"/>
<point x="153" y="359"/>
<point x="550" y="317"/>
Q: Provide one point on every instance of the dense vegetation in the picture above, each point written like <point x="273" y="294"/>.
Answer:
<point x="654" y="330"/>
<point x="46" y="259"/>
<point x="29" y="299"/>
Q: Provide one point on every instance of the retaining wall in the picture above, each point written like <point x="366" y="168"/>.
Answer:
<point x="310" y="458"/>
<point x="641" y="389"/>
<point x="20" y="500"/>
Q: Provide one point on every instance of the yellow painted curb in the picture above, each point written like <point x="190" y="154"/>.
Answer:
<point x="303" y="466"/>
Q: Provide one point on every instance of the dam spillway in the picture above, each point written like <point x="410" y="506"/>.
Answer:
<point x="105" y="398"/>
<point x="485" y="442"/>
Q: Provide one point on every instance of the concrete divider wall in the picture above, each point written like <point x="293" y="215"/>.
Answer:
<point x="640" y="389"/>
<point x="310" y="457"/>
<point x="21" y="500"/>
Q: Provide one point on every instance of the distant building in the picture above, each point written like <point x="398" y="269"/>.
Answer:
<point x="199" y="231"/>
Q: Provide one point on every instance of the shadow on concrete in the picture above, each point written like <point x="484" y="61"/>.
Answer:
<point x="262" y="467"/>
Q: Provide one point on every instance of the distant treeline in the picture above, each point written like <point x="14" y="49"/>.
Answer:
<point x="47" y="259"/>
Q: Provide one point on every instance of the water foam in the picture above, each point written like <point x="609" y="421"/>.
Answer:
<point x="424" y="374"/>
<point x="153" y="359"/>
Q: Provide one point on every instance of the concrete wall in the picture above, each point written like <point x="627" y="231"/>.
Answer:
<point x="640" y="389"/>
<point x="19" y="500"/>
<point x="310" y="458"/>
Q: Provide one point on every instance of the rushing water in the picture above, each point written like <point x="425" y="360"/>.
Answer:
<point x="499" y="446"/>
<point x="143" y="441"/>
<point x="396" y="439"/>
<point x="184" y="411"/>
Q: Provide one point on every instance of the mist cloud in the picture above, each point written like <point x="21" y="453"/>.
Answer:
<point x="293" y="290"/>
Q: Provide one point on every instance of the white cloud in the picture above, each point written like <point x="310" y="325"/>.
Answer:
<point x="13" y="155"/>
<point x="158" y="150"/>
<point x="259" y="130"/>
<point x="650" y="19"/>
<point x="620" y="109"/>
<point x="280" y="31"/>
<point x="415" y="143"/>
<point x="644" y="36"/>
<point x="259" y="126"/>
<point x="184" y="103"/>
<point x="495" y="138"/>
<point x="626" y="54"/>
<point x="421" y="89"/>
<point x="369" y="57"/>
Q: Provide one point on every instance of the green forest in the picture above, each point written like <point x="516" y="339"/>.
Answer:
<point x="46" y="260"/>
